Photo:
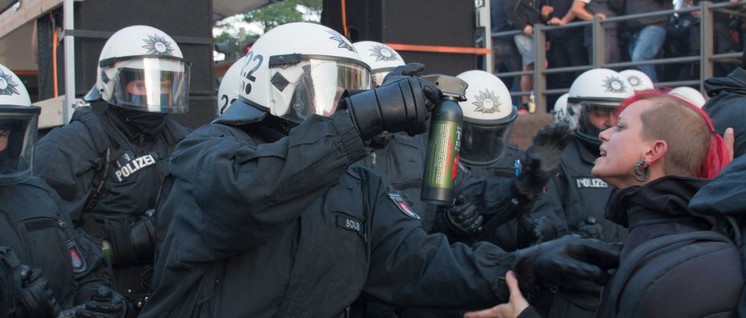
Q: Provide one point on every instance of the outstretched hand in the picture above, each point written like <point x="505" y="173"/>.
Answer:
<point x="511" y="309"/>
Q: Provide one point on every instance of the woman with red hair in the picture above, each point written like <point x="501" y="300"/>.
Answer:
<point x="674" y="262"/>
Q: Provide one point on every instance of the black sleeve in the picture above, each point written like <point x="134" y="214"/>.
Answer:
<point x="426" y="270"/>
<point x="513" y="10"/>
<point x="529" y="312"/>
<point x="97" y="270"/>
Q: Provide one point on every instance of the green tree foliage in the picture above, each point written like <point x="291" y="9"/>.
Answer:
<point x="231" y="42"/>
<point x="285" y="12"/>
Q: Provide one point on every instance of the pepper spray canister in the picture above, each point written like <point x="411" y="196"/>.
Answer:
<point x="444" y="141"/>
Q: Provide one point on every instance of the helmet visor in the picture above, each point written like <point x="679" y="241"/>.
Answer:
<point x="322" y="85"/>
<point x="484" y="144"/>
<point x="153" y="85"/>
<point x="595" y="118"/>
<point x="17" y="139"/>
<point x="379" y="75"/>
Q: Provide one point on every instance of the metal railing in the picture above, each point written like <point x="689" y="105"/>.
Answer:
<point x="706" y="57"/>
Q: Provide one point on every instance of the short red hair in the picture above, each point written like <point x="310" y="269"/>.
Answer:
<point x="712" y="157"/>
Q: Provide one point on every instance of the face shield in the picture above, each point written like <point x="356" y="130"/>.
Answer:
<point x="482" y="145"/>
<point x="152" y="84"/>
<point x="321" y="86"/>
<point x="379" y="75"/>
<point x="18" y="127"/>
<point x="593" y="119"/>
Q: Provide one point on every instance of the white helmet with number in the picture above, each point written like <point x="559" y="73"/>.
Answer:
<point x="489" y="115"/>
<point x="299" y="69"/>
<point x="595" y="93"/>
<point x="689" y="94"/>
<point x="230" y="86"/>
<point x="142" y="68"/>
<point x="381" y="58"/>
<point x="637" y="79"/>
<point x="560" y="109"/>
<point x="18" y="125"/>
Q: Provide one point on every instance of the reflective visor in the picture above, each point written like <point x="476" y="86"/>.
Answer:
<point x="379" y="75"/>
<point x="153" y="85"/>
<point x="322" y="85"/>
<point x="595" y="118"/>
<point x="482" y="145"/>
<point x="17" y="139"/>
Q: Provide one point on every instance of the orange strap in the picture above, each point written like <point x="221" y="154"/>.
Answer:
<point x="346" y="32"/>
<point x="440" y="49"/>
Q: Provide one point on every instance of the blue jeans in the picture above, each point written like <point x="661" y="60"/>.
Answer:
<point x="645" y="45"/>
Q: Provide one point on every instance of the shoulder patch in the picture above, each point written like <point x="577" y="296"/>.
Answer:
<point x="77" y="260"/>
<point x="403" y="205"/>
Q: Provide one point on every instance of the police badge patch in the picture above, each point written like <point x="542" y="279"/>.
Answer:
<point x="403" y="206"/>
<point x="78" y="262"/>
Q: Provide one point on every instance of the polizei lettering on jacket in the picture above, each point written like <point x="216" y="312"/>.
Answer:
<point x="590" y="183"/>
<point x="133" y="166"/>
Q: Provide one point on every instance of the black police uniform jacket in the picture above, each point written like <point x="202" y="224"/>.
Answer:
<point x="575" y="194"/>
<point x="727" y="105"/>
<point x="35" y="228"/>
<point x="572" y="197"/>
<point x="686" y="277"/>
<point x="725" y="196"/>
<point x="254" y="227"/>
<point x="505" y="235"/>
<point x="71" y="157"/>
<point x="400" y="160"/>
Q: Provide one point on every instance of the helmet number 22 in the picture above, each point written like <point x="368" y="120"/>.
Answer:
<point x="256" y="61"/>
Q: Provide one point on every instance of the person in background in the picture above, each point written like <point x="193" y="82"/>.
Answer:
<point x="587" y="10"/>
<point x="506" y="55"/>
<point x="523" y="15"/>
<point x="108" y="163"/>
<point x="726" y="106"/>
<point x="564" y="46"/>
<point x="648" y="33"/>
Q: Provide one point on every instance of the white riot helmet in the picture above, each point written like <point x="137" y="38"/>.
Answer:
<point x="381" y="58"/>
<point x="596" y="92"/>
<point x="489" y="115"/>
<point x="560" y="110"/>
<point x="230" y="86"/>
<point x="689" y="94"/>
<point x="637" y="79"/>
<point x="299" y="69"/>
<point x="142" y="68"/>
<point x="18" y="125"/>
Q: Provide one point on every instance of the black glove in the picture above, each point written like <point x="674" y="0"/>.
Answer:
<point x="105" y="303"/>
<point x="402" y="103"/>
<point x="542" y="228"/>
<point x="590" y="228"/>
<point x="133" y="245"/>
<point x="565" y="261"/>
<point x="463" y="218"/>
<point x="36" y="299"/>
<point x="403" y="71"/>
<point x="541" y="159"/>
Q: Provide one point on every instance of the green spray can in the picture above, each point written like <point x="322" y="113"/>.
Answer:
<point x="444" y="141"/>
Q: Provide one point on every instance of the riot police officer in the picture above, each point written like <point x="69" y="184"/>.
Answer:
<point x="575" y="201"/>
<point x="108" y="163"/>
<point x="261" y="205"/>
<point x="34" y="226"/>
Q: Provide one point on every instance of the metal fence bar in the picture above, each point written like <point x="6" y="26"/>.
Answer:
<point x="706" y="59"/>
